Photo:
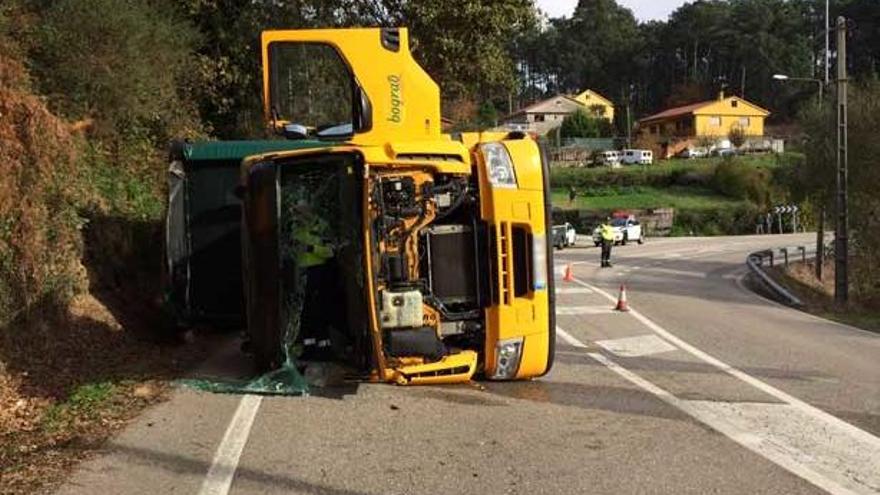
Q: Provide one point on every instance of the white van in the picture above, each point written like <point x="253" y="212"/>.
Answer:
<point x="610" y="158"/>
<point x="637" y="157"/>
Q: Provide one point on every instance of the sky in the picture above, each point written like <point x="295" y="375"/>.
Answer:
<point x="644" y="10"/>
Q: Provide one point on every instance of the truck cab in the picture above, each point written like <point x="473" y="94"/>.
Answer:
<point x="417" y="256"/>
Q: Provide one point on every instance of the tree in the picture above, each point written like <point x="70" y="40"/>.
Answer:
<point x="466" y="44"/>
<point x="123" y="63"/>
<point x="813" y="178"/>
<point x="580" y="124"/>
<point x="487" y="116"/>
<point x="737" y="136"/>
<point x="594" y="45"/>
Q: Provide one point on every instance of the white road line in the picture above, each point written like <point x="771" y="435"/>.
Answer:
<point x="573" y="290"/>
<point x="569" y="339"/>
<point x="774" y="448"/>
<point x="745" y="377"/>
<point x="640" y="345"/>
<point x="222" y="470"/>
<point x="831" y="460"/>
<point x="670" y="271"/>
<point x="583" y="310"/>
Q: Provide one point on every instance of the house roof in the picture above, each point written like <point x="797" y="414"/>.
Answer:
<point x="560" y="104"/>
<point x="694" y="107"/>
<point x="552" y="105"/>
<point x="593" y="94"/>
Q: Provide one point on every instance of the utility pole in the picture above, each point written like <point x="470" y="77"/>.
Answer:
<point x="841" y="279"/>
<point x="820" y="230"/>
<point x="827" y="48"/>
<point x="629" y="101"/>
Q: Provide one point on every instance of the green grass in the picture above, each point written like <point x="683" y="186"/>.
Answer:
<point x="679" y="197"/>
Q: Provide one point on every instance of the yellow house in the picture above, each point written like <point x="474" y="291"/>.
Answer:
<point x="713" y="118"/>
<point x="596" y="104"/>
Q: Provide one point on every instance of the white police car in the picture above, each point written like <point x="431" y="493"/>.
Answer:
<point x="626" y="229"/>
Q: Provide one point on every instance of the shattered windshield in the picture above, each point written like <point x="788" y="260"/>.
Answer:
<point x="311" y="86"/>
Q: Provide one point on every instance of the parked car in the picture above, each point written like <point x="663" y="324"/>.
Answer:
<point x="637" y="157"/>
<point x="564" y="235"/>
<point x="610" y="158"/>
<point x="691" y="153"/>
<point x="723" y="152"/>
<point x="625" y="229"/>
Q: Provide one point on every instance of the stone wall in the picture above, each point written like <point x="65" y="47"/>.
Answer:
<point x="657" y="222"/>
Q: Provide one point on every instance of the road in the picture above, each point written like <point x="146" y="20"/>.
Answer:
<point x="703" y="388"/>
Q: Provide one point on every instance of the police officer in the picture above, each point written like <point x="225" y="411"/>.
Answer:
<point x="607" y="232"/>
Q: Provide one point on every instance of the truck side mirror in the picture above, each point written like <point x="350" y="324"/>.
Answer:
<point x="364" y="109"/>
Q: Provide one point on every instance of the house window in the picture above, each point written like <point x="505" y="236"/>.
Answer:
<point x="715" y="121"/>
<point x="744" y="122"/>
<point x="734" y="103"/>
<point x="655" y="129"/>
<point x="539" y="117"/>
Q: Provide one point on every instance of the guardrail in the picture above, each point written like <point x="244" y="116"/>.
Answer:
<point x="755" y="261"/>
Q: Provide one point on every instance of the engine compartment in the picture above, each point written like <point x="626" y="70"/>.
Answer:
<point x="428" y="249"/>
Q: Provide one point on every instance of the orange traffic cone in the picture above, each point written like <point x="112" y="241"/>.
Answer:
<point x="621" y="300"/>
<point x="569" y="277"/>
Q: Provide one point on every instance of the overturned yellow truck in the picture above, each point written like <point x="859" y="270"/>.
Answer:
<point x="375" y="239"/>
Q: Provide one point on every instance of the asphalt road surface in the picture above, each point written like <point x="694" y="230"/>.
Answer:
<point x="703" y="387"/>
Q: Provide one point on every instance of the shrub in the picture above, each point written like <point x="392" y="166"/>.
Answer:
<point x="717" y="221"/>
<point x="580" y="124"/>
<point x="737" y="136"/>
<point x="124" y="64"/>
<point x="660" y="175"/>
<point x="742" y="181"/>
<point x="40" y="244"/>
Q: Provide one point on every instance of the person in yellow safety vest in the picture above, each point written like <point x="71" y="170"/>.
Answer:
<point x="312" y="250"/>
<point x="607" y="232"/>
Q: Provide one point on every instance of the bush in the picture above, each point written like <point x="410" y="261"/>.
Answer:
<point x="124" y="64"/>
<point x="719" y="221"/>
<point x="660" y="175"/>
<point x="582" y="125"/>
<point x="55" y="186"/>
<point x="742" y="181"/>
<point x="40" y="243"/>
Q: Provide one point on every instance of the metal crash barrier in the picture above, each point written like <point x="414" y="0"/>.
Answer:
<point x="756" y="262"/>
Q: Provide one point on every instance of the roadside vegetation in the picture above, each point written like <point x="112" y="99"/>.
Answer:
<point x="711" y="196"/>
<point x="812" y="181"/>
<point x="818" y="296"/>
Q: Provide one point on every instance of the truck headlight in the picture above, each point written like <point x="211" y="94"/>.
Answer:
<point x="539" y="262"/>
<point x="499" y="166"/>
<point x="508" y="354"/>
